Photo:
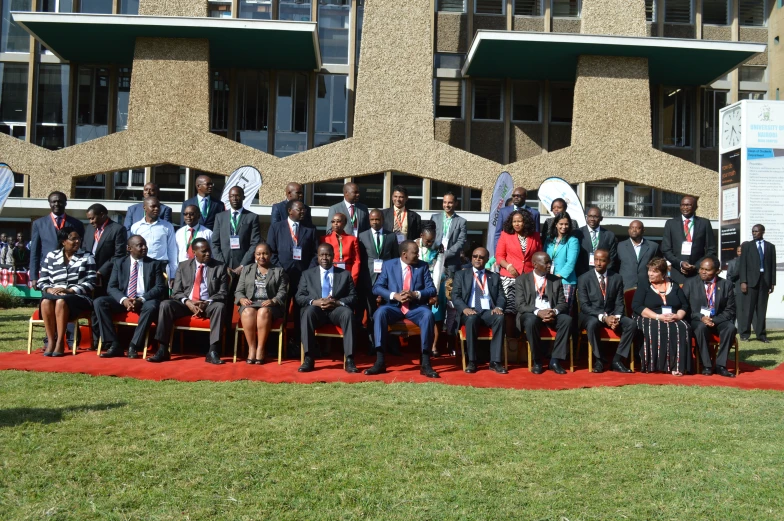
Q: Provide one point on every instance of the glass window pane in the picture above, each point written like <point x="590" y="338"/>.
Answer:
<point x="561" y="102"/>
<point x="413" y="186"/>
<point x="129" y="6"/>
<point x="171" y="180"/>
<point x="291" y="114"/>
<point x="650" y="11"/>
<point x="360" y="20"/>
<point x="449" y="61"/>
<point x="715" y="12"/>
<point x="252" y="108"/>
<point x="371" y="190"/>
<point x="489" y="6"/>
<point x="53" y="6"/>
<point x="92" y="104"/>
<point x="752" y="12"/>
<point x="256" y="9"/>
<point x="449" y="99"/>
<point x="219" y="9"/>
<point x="676" y="117"/>
<point x="128" y="185"/>
<point x="602" y="196"/>
<point x="96" y="6"/>
<point x="637" y="201"/>
<point x="12" y="37"/>
<point x="91" y="187"/>
<point x="528" y="8"/>
<point x="333" y="25"/>
<point x="754" y="73"/>
<point x="677" y="11"/>
<point x="525" y="101"/>
<point x="331" y="109"/>
<point x="451" y="6"/>
<point x="437" y="191"/>
<point x="670" y="204"/>
<point x="712" y="102"/>
<point x="328" y="193"/>
<point x="219" y="102"/>
<point x="297" y="10"/>
<point x="566" y="8"/>
<point x="13" y="93"/>
<point x="123" y="97"/>
<point x="487" y="99"/>
<point x="52" y="106"/>
<point x="752" y="95"/>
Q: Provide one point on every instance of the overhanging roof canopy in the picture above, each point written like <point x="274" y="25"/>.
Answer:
<point x="105" y="39"/>
<point x="553" y="56"/>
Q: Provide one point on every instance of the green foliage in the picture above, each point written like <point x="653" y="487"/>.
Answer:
<point x="8" y="300"/>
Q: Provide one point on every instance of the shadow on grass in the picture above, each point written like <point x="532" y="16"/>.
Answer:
<point x="21" y="415"/>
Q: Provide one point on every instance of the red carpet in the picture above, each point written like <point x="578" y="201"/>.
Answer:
<point x="190" y="368"/>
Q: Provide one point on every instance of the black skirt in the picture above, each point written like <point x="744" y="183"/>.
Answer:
<point x="666" y="345"/>
<point x="77" y="304"/>
<point x="277" y="311"/>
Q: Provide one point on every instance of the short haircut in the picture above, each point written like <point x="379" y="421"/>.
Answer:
<point x="658" y="264"/>
<point x="605" y="250"/>
<point x="290" y="204"/>
<point x="428" y="226"/>
<point x="195" y="207"/>
<point x="326" y="245"/>
<point x="400" y="188"/>
<point x="760" y="226"/>
<point x="98" y="209"/>
<point x="558" y="199"/>
<point x="63" y="233"/>
<point x="241" y="189"/>
<point x="449" y="193"/>
<point x="56" y="193"/>
<point x="591" y="208"/>
<point x="713" y="259"/>
<point x="132" y="237"/>
<point x="201" y="240"/>
<point x="405" y="245"/>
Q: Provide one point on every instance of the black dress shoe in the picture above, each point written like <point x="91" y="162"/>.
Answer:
<point x="555" y="366"/>
<point x="537" y="368"/>
<point x="378" y="368"/>
<point x="598" y="367"/>
<point x="132" y="352"/>
<point x="161" y="355"/>
<point x="618" y="367"/>
<point x="471" y="368"/>
<point x="764" y="340"/>
<point x="213" y="358"/>
<point x="307" y="366"/>
<point x="498" y="367"/>
<point x="429" y="372"/>
<point x="722" y="371"/>
<point x="745" y="338"/>
<point x="114" y="352"/>
<point x="707" y="371"/>
<point x="351" y="367"/>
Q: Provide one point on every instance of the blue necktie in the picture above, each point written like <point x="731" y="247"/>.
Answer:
<point x="326" y="288"/>
<point x="762" y="255"/>
<point x="478" y="293"/>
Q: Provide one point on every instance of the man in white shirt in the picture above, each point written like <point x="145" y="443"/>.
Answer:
<point x="159" y="234"/>
<point x="191" y="231"/>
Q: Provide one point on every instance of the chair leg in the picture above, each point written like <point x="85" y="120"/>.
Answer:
<point x="530" y="364"/>
<point x="737" y="356"/>
<point x="344" y="361"/>
<point x="506" y="353"/>
<point x="236" y="334"/>
<point x="280" y="345"/>
<point x="631" y="358"/>
<point x="76" y="336"/>
<point x="302" y="353"/>
<point x="462" y="349"/>
<point x="590" y="355"/>
<point x="697" y="357"/>
<point x="100" y="346"/>
<point x="571" y="354"/>
<point x="146" y="343"/>
<point x="30" y="338"/>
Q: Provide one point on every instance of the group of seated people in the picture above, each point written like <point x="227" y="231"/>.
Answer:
<point x="391" y="264"/>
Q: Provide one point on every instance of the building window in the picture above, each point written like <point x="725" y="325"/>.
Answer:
<point x="219" y="9"/>
<point x="360" y="21"/>
<point x="489" y="6"/>
<point x="561" y="102"/>
<point x="92" y="103"/>
<point x="19" y="186"/>
<point x="56" y="6"/>
<point x="715" y="12"/>
<point x="751" y="13"/>
<point x="333" y="25"/>
<point x="451" y="6"/>
<point x="291" y="115"/>
<point x="413" y="186"/>
<point x="331" y="109"/>
<point x="526" y="99"/>
<point x="328" y="193"/>
<point x="528" y="8"/>
<point x="670" y="204"/>
<point x="52" y="107"/>
<point x="13" y="99"/>
<point x="219" y="103"/>
<point x="123" y="97"/>
<point x="437" y="191"/>
<point x="449" y="61"/>
<point x="566" y="8"/>
<point x="752" y="95"/>
<point x="601" y="195"/>
<point x="256" y="9"/>
<point x="755" y="73"/>
<point x="91" y="187"/>
<point x="712" y="102"/>
<point x="677" y="11"/>
<point x="96" y="6"/>
<point x="296" y="10"/>
<point x="488" y="100"/>
<point x="129" y="7"/>
<point x="371" y="190"/>
<point x="12" y="37"/>
<point x="637" y="201"/>
<point x="474" y="200"/>
<point x="650" y="10"/>
<point x="171" y="180"/>
<point x="128" y="185"/>
<point x="676" y="117"/>
<point x="449" y="99"/>
<point x="252" y="108"/>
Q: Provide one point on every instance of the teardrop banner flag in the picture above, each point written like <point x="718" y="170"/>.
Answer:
<point x="6" y="183"/>
<point x="247" y="178"/>
<point x="554" y="188"/>
<point x="501" y="192"/>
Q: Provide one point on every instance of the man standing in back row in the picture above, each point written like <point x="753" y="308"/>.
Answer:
<point x="401" y="221"/>
<point x="687" y="239"/>
<point x="757" y="281"/>
<point x="634" y="254"/>
<point x="451" y="232"/>
<point x="209" y="205"/>
<point x="294" y="192"/>
<point x="350" y="206"/>
<point x="519" y="195"/>
<point x="236" y="233"/>
<point x="593" y="237"/>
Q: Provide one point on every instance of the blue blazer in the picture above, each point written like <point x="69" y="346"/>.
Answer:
<point x="208" y="221"/>
<point x="565" y="259"/>
<point x="390" y="280"/>
<point x="504" y="214"/>
<point x="44" y="240"/>
<point x="135" y="214"/>
<point x="281" y="245"/>
<point x="279" y="214"/>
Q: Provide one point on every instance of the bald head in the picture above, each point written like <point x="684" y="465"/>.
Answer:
<point x="294" y="192"/>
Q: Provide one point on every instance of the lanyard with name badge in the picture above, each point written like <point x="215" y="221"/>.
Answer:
<point x="483" y="300"/>
<point x="295" y="250"/>
<point x="234" y="239"/>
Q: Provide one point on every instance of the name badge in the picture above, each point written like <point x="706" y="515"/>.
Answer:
<point x="355" y="232"/>
<point x="552" y="269"/>
<point x="485" y="302"/>
<point x="445" y="242"/>
<point x="666" y="310"/>
<point x="378" y="264"/>
<point x="234" y="241"/>
<point x="297" y="253"/>
<point x="686" y="248"/>
<point x="705" y="311"/>
<point x="341" y="265"/>
<point x="590" y="259"/>
<point x="542" y="303"/>
<point x="400" y="237"/>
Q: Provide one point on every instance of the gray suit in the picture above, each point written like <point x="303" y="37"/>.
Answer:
<point x="277" y="285"/>
<point x="361" y="213"/>
<point x="248" y="232"/>
<point x="458" y="236"/>
<point x="633" y="268"/>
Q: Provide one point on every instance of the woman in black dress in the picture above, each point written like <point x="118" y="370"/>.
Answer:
<point x="659" y="307"/>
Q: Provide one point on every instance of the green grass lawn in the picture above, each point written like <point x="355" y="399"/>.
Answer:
<point x="81" y="447"/>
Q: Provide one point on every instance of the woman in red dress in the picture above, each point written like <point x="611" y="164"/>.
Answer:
<point x="346" y="246"/>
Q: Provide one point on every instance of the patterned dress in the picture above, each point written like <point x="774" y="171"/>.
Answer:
<point x="666" y="345"/>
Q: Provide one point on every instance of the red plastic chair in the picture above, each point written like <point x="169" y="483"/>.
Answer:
<point x="548" y="333"/>
<point x="278" y="326"/>
<point x="37" y="321"/>
<point x="327" y="331"/>
<point x="191" y="323"/>
<point x="483" y="333"/>
<point x="128" y="318"/>
<point x="713" y="345"/>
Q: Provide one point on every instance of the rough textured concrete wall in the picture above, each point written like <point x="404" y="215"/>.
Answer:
<point x="757" y="35"/>
<point x="615" y="17"/>
<point x="560" y="137"/>
<point x="683" y="153"/>
<point x="490" y="22"/>
<point x="526" y="141"/>
<point x="714" y="32"/>
<point x="487" y="140"/>
<point x="776" y="66"/>
<point x="173" y="7"/>
<point x="566" y="25"/>
<point x="451" y="32"/>
<point x="524" y="23"/>
<point x="450" y="131"/>
<point x="679" y="31"/>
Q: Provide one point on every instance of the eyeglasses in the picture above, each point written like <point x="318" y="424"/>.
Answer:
<point x="477" y="256"/>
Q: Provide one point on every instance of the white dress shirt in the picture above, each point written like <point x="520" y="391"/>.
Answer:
<point x="637" y="247"/>
<point x="182" y="239"/>
<point x="161" y="242"/>
<point x="473" y="287"/>
<point x="204" y="293"/>
<point x="599" y="279"/>
<point x="348" y="215"/>
<point x="541" y="303"/>
<point x="403" y="267"/>
<point x="330" y="273"/>
<point x="139" y="279"/>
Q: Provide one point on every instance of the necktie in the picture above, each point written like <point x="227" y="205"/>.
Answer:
<point x="190" y="240"/>
<point x="594" y="239"/>
<point x="478" y="293"/>
<point x="603" y="285"/>
<point x="351" y="213"/>
<point x="295" y="229"/>
<point x="326" y="287"/>
<point x="378" y="242"/>
<point x="686" y="230"/>
<point x="761" y="255"/>
<point x="59" y="219"/>
<point x="234" y="222"/>
<point x="133" y="282"/>
<point x="204" y="207"/>
<point x="406" y="287"/>
<point x="196" y="293"/>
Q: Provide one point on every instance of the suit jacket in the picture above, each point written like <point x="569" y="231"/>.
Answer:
<point x="413" y="220"/>
<point x="724" y="301"/>
<point x="463" y="284"/>
<point x="504" y="214"/>
<point x="703" y="244"/>
<point x="632" y="268"/>
<point x="208" y="221"/>
<point x="458" y="235"/>
<point x="154" y="284"/>
<point x="367" y="252"/>
<point x="44" y="240"/>
<point x="277" y="285"/>
<point x="309" y="288"/>
<point x="733" y="272"/>
<point x="508" y="249"/>
<point x="217" y="280"/>
<point x="135" y="214"/>
<point x="279" y="214"/>
<point x="589" y="294"/>
<point x="390" y="280"/>
<point x="607" y="241"/>
<point x="111" y="247"/>
<point x="361" y="213"/>
<point x="749" y="269"/>
<point x="248" y="231"/>
<point x="351" y="257"/>
<point x="279" y="240"/>
<point x="525" y="293"/>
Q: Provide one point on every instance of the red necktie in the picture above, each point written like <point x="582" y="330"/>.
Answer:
<point x="686" y="231"/>
<point x="190" y="240"/>
<point x="196" y="293"/>
<point x="406" y="287"/>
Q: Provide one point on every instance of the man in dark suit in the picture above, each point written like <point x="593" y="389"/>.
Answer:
<point x="293" y="246"/>
<point x="326" y="295"/>
<point x="376" y="245"/>
<point x="592" y="237"/>
<point x="686" y="240"/>
<point x="600" y="293"/>
<point x="519" y="195"/>
<point x="401" y="221"/>
<point x="540" y="300"/>
<point x="136" y="285"/>
<point x="733" y="275"/>
<point x="135" y="212"/>
<point x="451" y="233"/>
<point x="294" y="192"/>
<point x="407" y="286"/>
<point x="236" y="233"/>
<point x="479" y="299"/>
<point x="209" y="205"/>
<point x="350" y="206"/>
<point x="44" y="236"/>
<point x="107" y="241"/>
<point x="200" y="289"/>
<point x="634" y="255"/>
<point x="757" y="281"/>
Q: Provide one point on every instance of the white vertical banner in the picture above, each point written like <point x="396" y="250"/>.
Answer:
<point x="502" y="191"/>
<point x="247" y="178"/>
<point x="6" y="183"/>
<point x="556" y="188"/>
